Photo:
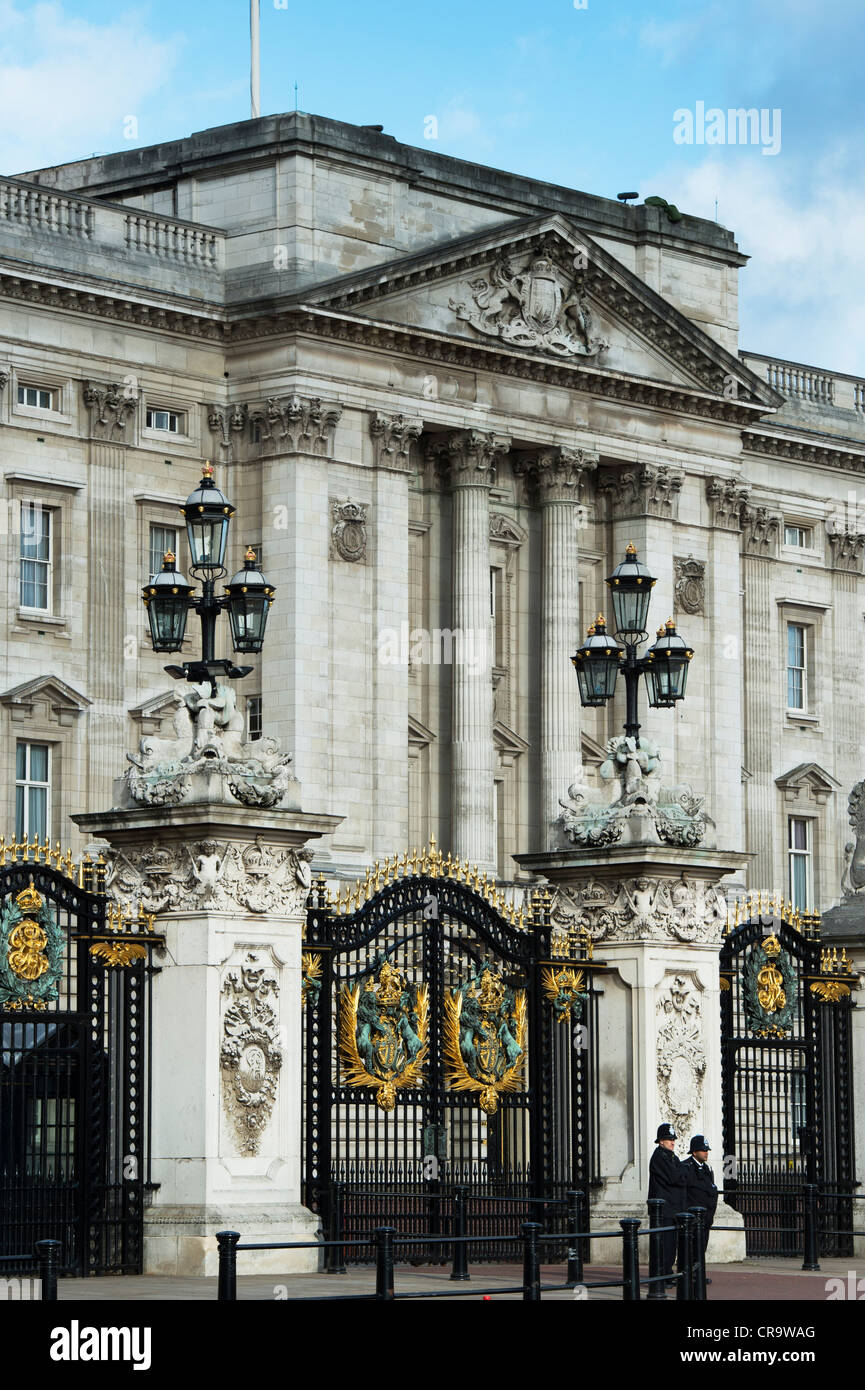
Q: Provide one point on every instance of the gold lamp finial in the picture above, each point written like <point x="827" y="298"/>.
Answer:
<point x="169" y="557"/>
<point x="600" y="619"/>
<point x="250" y="553"/>
<point x="631" y="548"/>
<point x="207" y="469"/>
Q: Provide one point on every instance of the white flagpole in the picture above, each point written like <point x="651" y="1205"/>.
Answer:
<point x="255" y="56"/>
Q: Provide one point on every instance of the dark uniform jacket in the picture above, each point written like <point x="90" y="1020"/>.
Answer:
<point x="668" y="1179"/>
<point x="702" y="1191"/>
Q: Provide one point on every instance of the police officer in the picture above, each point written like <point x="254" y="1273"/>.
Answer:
<point x="702" y="1191"/>
<point x="669" y="1181"/>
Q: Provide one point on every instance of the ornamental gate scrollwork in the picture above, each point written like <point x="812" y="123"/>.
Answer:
<point x="449" y="1040"/>
<point x="786" y="1076"/>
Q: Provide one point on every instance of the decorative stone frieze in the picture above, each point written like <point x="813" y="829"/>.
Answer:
<point x="846" y="550"/>
<point x="556" y="474"/>
<point x="392" y="438"/>
<point x="644" y="490"/>
<point x="537" y="304"/>
<point x="348" y="531"/>
<point x="250" y="1053"/>
<point x="217" y="877"/>
<point x="111" y="410"/>
<point x="760" y="530"/>
<point x="227" y="420"/>
<point x="648" y="907"/>
<point x="681" y="1053"/>
<point x="295" y="424"/>
<point x="726" y="498"/>
<point x="689" y="592"/>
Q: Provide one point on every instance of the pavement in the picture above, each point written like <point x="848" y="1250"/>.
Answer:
<point x="749" y="1281"/>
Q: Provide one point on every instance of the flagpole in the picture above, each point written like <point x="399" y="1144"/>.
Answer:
<point x="255" y="57"/>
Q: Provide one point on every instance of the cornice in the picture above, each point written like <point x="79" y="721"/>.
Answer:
<point x="797" y="451"/>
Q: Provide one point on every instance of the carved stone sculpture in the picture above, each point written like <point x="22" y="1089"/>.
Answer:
<point x="680" y="1051"/>
<point x="855" y="871"/>
<point x="111" y="409"/>
<point x="250" y="1052"/>
<point x="638" y="808"/>
<point x="648" y="907"/>
<point x="348" y="531"/>
<point x="536" y="305"/>
<point x="690" y="586"/>
<point x="253" y="877"/>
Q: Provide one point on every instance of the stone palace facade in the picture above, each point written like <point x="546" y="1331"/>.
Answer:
<point x="443" y="399"/>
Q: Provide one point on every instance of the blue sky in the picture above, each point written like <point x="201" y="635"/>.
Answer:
<point x="584" y="97"/>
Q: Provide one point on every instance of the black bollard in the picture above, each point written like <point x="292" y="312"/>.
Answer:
<point x="531" y="1262"/>
<point x="226" y="1290"/>
<point x="48" y="1256"/>
<point x="384" y="1236"/>
<point x="334" y="1256"/>
<point x="811" y="1249"/>
<point x="460" y="1268"/>
<point x="699" y="1215"/>
<point x="656" y="1247"/>
<point x="575" y="1247"/>
<point x="630" y="1259"/>
<point x="685" y="1257"/>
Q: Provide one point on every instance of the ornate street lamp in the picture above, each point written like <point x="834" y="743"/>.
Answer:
<point x="168" y="597"/>
<point x="599" y="660"/>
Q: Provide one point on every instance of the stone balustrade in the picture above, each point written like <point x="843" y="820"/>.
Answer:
<point x="173" y="240"/>
<point x="799" y="382"/>
<point x="44" y="211"/>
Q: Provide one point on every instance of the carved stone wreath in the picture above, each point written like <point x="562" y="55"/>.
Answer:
<point x="250" y="1053"/>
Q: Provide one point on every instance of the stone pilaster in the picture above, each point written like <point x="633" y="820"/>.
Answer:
<point x="760" y="529"/>
<point x="846" y="551"/>
<point x="557" y="478"/>
<point x="472" y="459"/>
<point x="392" y="439"/>
<point x="110" y="417"/>
<point x="726" y="498"/>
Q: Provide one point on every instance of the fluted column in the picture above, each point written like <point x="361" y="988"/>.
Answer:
<point x="472" y="457"/>
<point x="761" y="674"/>
<point x="557" y="476"/>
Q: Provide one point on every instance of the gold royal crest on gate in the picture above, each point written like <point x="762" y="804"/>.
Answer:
<point x="383" y="1034"/>
<point x="485" y="1029"/>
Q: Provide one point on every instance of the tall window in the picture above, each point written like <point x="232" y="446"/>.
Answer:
<point x="35" y="557"/>
<point x="797" y="675"/>
<point x="253" y="717"/>
<point x="31" y="791"/>
<point x="162" y="538"/>
<point x="800" y="857"/>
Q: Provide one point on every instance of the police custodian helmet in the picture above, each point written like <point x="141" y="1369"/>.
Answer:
<point x="665" y="1132"/>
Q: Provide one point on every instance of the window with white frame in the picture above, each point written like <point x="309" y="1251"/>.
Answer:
<point x="799" y="857"/>
<point x="32" y="790"/>
<point x="162" y="539"/>
<point x="38" y="396"/>
<point x="168" y="421"/>
<point x="253" y="718"/>
<point x="802" y="537"/>
<point x="797" y="666"/>
<point x="35" y="557"/>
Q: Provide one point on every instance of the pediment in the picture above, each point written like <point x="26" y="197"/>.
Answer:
<point x="807" y="781"/>
<point x="508" y="743"/>
<point x="419" y="736"/>
<point x="45" y="698"/>
<point x="542" y="286"/>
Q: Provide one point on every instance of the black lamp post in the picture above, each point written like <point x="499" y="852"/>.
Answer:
<point x="168" y="597"/>
<point x="600" y="658"/>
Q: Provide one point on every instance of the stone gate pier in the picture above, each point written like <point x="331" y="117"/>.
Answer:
<point x="199" y="837"/>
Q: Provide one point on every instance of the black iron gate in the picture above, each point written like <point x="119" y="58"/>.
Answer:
<point x="787" y="1087"/>
<point x="74" y="1073"/>
<point x="448" y="1044"/>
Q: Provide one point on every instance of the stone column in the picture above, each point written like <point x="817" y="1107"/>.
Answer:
<point x="111" y="414"/>
<point x="556" y="476"/>
<point x="762" y="677"/>
<point x="656" y="918"/>
<point x="229" y="885"/>
<point x="723" y="690"/>
<point x="472" y="456"/>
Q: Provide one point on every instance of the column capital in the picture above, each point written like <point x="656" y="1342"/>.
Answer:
<point x="227" y="420"/>
<point x="557" y="473"/>
<point x="295" y="425"/>
<point x="643" y="490"/>
<point x="111" y="409"/>
<point x="726" y="498"/>
<point x="846" y="547"/>
<point x="392" y="438"/>
<point x="4" y="377"/>
<point x="760" y="528"/>
<point x="471" y="456"/>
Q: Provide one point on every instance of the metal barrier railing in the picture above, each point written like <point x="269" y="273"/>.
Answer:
<point x="46" y="1259"/>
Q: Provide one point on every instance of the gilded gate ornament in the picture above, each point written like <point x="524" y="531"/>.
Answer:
<point x="310" y="979"/>
<point x="383" y="1034"/>
<point x="31" y="952"/>
<point x="769" y="989"/>
<point x="564" y="990"/>
<point x="485" y="1030"/>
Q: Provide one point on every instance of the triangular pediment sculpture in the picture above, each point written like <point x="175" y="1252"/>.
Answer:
<point x="541" y="285"/>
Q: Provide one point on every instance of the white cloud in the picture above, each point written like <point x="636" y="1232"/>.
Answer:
<point x="799" y="295"/>
<point x="66" y="85"/>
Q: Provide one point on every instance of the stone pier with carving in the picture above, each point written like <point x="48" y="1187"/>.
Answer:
<point x="198" y="837"/>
